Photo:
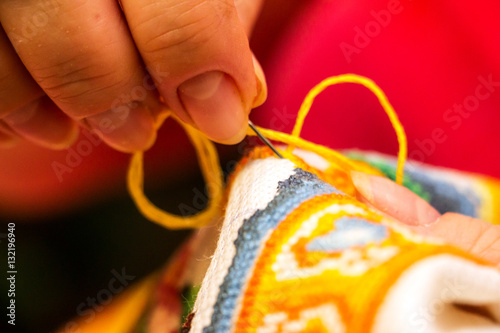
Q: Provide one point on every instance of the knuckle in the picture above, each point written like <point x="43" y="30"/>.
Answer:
<point x="78" y="81"/>
<point x="187" y="31"/>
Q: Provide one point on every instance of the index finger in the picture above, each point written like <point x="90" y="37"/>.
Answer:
<point x="199" y="55"/>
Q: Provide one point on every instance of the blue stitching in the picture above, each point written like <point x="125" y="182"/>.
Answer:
<point x="301" y="186"/>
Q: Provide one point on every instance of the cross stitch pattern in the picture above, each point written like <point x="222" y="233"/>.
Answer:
<point x="296" y="254"/>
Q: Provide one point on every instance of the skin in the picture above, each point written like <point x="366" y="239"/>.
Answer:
<point x="477" y="237"/>
<point x="114" y="66"/>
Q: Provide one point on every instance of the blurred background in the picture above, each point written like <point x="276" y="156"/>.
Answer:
<point x="75" y="221"/>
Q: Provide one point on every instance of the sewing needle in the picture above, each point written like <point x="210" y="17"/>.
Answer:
<point x="266" y="141"/>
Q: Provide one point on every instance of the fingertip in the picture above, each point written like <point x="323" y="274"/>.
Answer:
<point x="363" y="185"/>
<point x="394" y="200"/>
<point x="261" y="84"/>
<point x="42" y="123"/>
<point x="215" y="106"/>
<point x="127" y="128"/>
<point x="70" y="138"/>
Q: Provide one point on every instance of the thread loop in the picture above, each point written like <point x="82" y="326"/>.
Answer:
<point x="212" y="173"/>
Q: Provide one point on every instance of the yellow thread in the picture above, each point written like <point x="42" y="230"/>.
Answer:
<point x="332" y="156"/>
<point x="212" y="173"/>
<point x="372" y="86"/>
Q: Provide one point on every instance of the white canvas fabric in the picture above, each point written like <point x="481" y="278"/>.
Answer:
<point x="426" y="298"/>
<point x="253" y="188"/>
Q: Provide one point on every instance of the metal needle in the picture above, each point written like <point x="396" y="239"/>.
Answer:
<point x="266" y="141"/>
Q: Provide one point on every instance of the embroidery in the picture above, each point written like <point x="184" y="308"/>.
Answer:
<point x="299" y="187"/>
<point x="315" y="260"/>
<point x="302" y="266"/>
<point x="446" y="191"/>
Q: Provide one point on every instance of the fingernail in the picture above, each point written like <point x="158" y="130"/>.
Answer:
<point x="23" y="115"/>
<point x="214" y="104"/>
<point x="362" y="183"/>
<point x="261" y="84"/>
<point x="127" y="128"/>
<point x="42" y="123"/>
<point x="394" y="200"/>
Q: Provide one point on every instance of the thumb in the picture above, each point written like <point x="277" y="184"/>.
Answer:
<point x="393" y="199"/>
<point x="197" y="52"/>
<point x="474" y="236"/>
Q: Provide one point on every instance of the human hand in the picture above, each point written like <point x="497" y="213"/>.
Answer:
<point x="474" y="236"/>
<point x="109" y="65"/>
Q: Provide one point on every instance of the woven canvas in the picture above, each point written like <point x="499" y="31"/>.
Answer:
<point x="296" y="252"/>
